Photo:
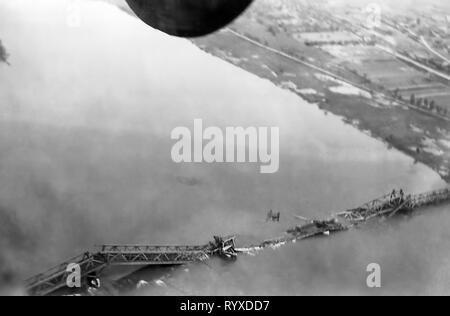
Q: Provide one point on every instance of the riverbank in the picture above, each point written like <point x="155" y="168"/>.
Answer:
<point x="296" y="67"/>
<point x="419" y="135"/>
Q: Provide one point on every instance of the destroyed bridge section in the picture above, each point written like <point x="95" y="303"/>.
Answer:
<point x="94" y="263"/>
<point x="392" y="204"/>
<point x="132" y="255"/>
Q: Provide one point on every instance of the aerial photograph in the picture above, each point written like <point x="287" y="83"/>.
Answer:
<point x="207" y="149"/>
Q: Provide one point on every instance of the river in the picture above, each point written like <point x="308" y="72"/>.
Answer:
<point x="86" y="112"/>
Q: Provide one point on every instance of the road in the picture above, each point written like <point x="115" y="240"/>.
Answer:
<point x="415" y="63"/>
<point x="335" y="76"/>
<point x="428" y="46"/>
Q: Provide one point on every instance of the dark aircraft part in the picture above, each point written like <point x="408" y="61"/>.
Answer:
<point x="188" y="18"/>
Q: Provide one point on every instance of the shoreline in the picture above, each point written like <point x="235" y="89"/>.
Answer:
<point x="375" y="114"/>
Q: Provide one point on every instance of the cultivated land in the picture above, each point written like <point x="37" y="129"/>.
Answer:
<point x="391" y="82"/>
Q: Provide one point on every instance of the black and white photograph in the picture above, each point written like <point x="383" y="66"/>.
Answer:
<point x="211" y="151"/>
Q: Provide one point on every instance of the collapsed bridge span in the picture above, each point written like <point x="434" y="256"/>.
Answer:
<point x="385" y="207"/>
<point x="137" y="255"/>
<point x="394" y="203"/>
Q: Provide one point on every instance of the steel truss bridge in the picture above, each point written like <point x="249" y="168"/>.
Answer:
<point x="392" y="204"/>
<point x="93" y="263"/>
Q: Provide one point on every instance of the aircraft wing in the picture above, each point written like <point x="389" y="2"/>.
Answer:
<point x="188" y="18"/>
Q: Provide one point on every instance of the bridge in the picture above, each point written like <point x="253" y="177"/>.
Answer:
<point x="384" y="207"/>
<point x="392" y="204"/>
<point x="93" y="263"/>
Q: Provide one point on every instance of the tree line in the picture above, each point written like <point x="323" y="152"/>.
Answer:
<point x="428" y="104"/>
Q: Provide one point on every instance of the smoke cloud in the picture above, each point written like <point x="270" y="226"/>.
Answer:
<point x="3" y="53"/>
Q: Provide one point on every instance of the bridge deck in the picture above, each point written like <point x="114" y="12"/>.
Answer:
<point x="135" y="255"/>
<point x="153" y="255"/>
<point x="389" y="205"/>
<point x="111" y="255"/>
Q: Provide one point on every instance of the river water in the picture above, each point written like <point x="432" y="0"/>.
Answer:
<point x="86" y="112"/>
